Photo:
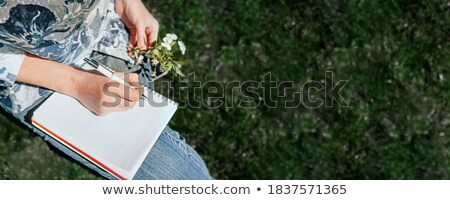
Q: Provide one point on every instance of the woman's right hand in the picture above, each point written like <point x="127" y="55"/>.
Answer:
<point x="101" y="95"/>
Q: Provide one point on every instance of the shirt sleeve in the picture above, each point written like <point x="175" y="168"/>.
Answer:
<point x="11" y="60"/>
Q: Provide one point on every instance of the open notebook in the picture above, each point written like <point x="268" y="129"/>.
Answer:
<point x="118" y="142"/>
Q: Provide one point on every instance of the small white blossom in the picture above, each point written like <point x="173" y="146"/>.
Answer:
<point x="167" y="46"/>
<point x="155" y="62"/>
<point x="164" y="57"/>
<point x="172" y="36"/>
<point x="140" y="59"/>
<point x="182" y="47"/>
<point x="167" y="40"/>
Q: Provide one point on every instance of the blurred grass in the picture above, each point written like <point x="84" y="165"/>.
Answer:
<point x="395" y="55"/>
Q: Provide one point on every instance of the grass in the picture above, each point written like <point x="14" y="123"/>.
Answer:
<point x="394" y="54"/>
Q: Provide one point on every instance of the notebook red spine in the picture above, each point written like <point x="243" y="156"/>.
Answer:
<point x="79" y="151"/>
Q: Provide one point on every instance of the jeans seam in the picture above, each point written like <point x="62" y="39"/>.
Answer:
<point x="185" y="149"/>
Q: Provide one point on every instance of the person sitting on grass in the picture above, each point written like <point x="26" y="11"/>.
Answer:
<point x="42" y="46"/>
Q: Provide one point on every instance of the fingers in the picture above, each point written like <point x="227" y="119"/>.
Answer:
<point x="133" y="79"/>
<point x="107" y="96"/>
<point x="132" y="43"/>
<point x="138" y="39"/>
<point x="114" y="101"/>
<point x="131" y="94"/>
<point x="141" y="39"/>
<point x="130" y="50"/>
<point x="152" y="35"/>
<point x="118" y="92"/>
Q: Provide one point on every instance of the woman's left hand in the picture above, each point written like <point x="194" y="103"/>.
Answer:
<point x="142" y="25"/>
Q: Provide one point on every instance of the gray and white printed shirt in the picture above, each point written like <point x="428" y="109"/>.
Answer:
<point x="65" y="31"/>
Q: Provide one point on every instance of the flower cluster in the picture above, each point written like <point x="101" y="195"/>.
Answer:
<point x="164" y="56"/>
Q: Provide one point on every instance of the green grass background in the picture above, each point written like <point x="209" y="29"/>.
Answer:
<point x="395" y="54"/>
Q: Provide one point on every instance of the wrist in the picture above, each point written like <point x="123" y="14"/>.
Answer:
<point x="73" y="83"/>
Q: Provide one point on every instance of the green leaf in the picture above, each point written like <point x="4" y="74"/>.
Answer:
<point x="182" y="62"/>
<point x="178" y="71"/>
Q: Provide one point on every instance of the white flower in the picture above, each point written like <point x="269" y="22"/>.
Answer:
<point x="170" y="38"/>
<point x="167" y="40"/>
<point x="182" y="47"/>
<point x="155" y="51"/>
<point x="155" y="62"/>
<point x="167" y="46"/>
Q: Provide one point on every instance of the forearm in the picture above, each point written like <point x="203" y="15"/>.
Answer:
<point x="49" y="74"/>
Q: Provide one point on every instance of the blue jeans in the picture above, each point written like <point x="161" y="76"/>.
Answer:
<point x="169" y="159"/>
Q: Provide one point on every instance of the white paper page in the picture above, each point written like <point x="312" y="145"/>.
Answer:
<point x="121" y="140"/>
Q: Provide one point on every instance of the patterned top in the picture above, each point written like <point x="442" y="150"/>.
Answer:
<point x="65" y="31"/>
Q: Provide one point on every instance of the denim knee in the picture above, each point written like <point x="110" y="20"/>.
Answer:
<point x="172" y="159"/>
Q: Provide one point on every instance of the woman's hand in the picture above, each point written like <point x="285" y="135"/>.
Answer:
<point x="102" y="96"/>
<point x="142" y="25"/>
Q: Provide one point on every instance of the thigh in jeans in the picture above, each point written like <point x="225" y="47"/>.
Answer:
<point x="172" y="159"/>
